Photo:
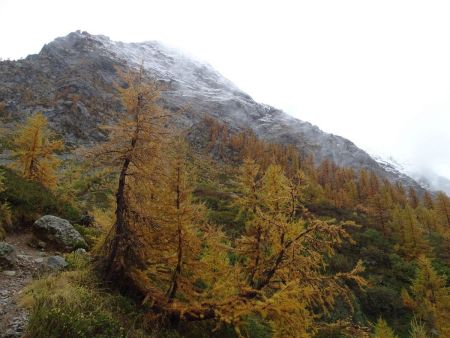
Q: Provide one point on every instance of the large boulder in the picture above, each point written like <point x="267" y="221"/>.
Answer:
<point x="8" y="256"/>
<point x="58" y="232"/>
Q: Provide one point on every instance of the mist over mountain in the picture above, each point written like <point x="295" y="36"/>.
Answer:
<point x="72" y="81"/>
<point x="427" y="178"/>
<point x="432" y="181"/>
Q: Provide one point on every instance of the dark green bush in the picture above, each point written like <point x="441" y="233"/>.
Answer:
<point x="381" y="301"/>
<point x="340" y="263"/>
<point x="255" y="327"/>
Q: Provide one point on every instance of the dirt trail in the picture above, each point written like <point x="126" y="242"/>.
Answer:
<point x="13" y="318"/>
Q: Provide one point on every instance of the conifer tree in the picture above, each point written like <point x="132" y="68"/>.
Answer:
<point x="34" y="147"/>
<point x="409" y="232"/>
<point x="153" y="249"/>
<point x="134" y="147"/>
<point x="284" y="252"/>
<point x="428" y="201"/>
<point x="380" y="208"/>
<point x="429" y="298"/>
<point x="325" y="173"/>
<point x="351" y="191"/>
<point x="382" y="330"/>
<point x="417" y="330"/>
<point x="374" y="184"/>
<point x="442" y="204"/>
<point x="429" y="219"/>
<point x="413" y="199"/>
<point x="162" y="248"/>
<point x="180" y="222"/>
<point x="363" y="186"/>
<point x="279" y="275"/>
<point x="399" y="194"/>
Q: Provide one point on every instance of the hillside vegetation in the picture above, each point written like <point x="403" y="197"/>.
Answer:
<point x="220" y="234"/>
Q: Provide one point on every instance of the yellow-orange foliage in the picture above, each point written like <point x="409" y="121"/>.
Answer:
<point x="284" y="254"/>
<point x="429" y="298"/>
<point x="34" y="147"/>
<point x="162" y="249"/>
<point x="382" y="330"/>
<point x="409" y="231"/>
<point x="134" y="149"/>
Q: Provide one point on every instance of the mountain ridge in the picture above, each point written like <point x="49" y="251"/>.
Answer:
<point x="72" y="82"/>
<point x="428" y="180"/>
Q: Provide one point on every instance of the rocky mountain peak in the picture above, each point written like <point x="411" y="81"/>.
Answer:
<point x="72" y="81"/>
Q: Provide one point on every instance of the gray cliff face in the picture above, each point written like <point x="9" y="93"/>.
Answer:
<point x="72" y="80"/>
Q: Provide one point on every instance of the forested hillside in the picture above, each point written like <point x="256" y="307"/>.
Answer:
<point x="208" y="231"/>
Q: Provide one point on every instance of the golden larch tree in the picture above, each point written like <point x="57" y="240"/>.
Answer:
<point x="428" y="200"/>
<point x="161" y="247"/>
<point x="174" y="258"/>
<point x="284" y="254"/>
<point x="34" y="147"/>
<point x="418" y="330"/>
<point x="382" y="330"/>
<point x="409" y="232"/>
<point x="380" y="208"/>
<point x="134" y="150"/>
<point x="413" y="198"/>
<point x="442" y="204"/>
<point x="429" y="298"/>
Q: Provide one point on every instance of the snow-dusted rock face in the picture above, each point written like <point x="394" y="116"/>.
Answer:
<point x="426" y="178"/>
<point x="72" y="81"/>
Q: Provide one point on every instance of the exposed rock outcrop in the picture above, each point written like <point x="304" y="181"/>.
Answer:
<point x="72" y="81"/>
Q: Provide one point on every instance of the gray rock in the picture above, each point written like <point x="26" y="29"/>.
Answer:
<point x="58" y="232"/>
<point x="9" y="273"/>
<point x="80" y="251"/>
<point x="53" y="264"/>
<point x="8" y="256"/>
<point x="41" y="244"/>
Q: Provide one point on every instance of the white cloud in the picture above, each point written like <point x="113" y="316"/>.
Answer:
<point x="376" y="72"/>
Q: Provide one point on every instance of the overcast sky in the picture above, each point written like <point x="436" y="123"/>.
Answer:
<point x="376" y="72"/>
